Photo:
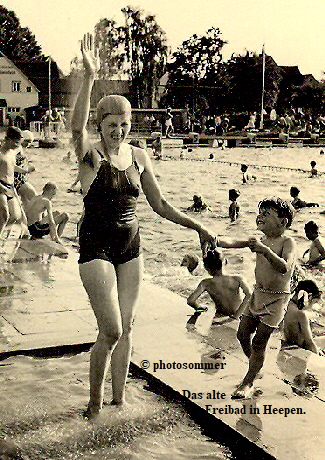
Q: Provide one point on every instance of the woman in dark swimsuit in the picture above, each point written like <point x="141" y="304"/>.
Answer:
<point x="111" y="175"/>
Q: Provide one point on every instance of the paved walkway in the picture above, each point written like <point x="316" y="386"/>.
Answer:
<point x="43" y="305"/>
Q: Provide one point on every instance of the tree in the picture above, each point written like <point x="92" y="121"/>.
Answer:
<point x="137" y="49"/>
<point x="108" y="38"/>
<point x="245" y="82"/>
<point x="16" y="42"/>
<point x="193" y="73"/>
<point x="146" y="53"/>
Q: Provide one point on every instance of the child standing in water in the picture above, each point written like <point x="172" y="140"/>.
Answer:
<point x="246" y="177"/>
<point x="316" y="250"/>
<point x="313" y="171"/>
<point x="234" y="206"/>
<point x="297" y="203"/>
<point x="224" y="290"/>
<point x="275" y="262"/>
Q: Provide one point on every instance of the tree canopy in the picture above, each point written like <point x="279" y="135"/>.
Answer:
<point x="16" y="42"/>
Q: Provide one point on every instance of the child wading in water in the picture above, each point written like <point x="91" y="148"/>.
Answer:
<point x="224" y="290"/>
<point x="275" y="262"/>
<point x="234" y="206"/>
<point x="316" y="250"/>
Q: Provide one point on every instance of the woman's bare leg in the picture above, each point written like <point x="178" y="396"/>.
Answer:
<point x="129" y="276"/>
<point x="99" y="280"/>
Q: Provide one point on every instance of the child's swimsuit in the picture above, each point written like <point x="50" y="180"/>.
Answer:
<point x="38" y="230"/>
<point x="109" y="229"/>
<point x="268" y="306"/>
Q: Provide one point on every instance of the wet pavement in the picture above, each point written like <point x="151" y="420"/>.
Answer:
<point x="43" y="305"/>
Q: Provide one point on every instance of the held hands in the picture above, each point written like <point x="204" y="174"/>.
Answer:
<point x="207" y="240"/>
<point x="89" y="55"/>
<point x="256" y="245"/>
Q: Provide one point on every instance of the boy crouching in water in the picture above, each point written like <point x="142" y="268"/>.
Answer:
<point x="275" y="262"/>
<point x="224" y="290"/>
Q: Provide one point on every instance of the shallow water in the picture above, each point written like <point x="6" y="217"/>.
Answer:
<point x="41" y="406"/>
<point x="150" y="427"/>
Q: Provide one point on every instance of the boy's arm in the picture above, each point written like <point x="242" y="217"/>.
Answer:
<point x="306" y="331"/>
<point x="231" y="243"/>
<point x="53" y="231"/>
<point x="192" y="299"/>
<point x="246" y="290"/>
<point x="282" y="264"/>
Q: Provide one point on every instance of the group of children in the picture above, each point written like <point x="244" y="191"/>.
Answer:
<point x="19" y="201"/>
<point x="272" y="303"/>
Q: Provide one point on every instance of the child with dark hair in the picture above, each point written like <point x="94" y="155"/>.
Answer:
<point x="317" y="249"/>
<point x="234" y="206"/>
<point x="224" y="290"/>
<point x="296" y="325"/>
<point x="313" y="171"/>
<point x="297" y="203"/>
<point x="198" y="204"/>
<point x="246" y="177"/>
<point x="275" y="262"/>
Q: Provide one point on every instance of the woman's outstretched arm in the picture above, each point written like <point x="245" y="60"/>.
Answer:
<point x="162" y="207"/>
<point x="81" y="109"/>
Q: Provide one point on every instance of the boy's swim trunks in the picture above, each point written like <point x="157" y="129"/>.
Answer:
<point x="269" y="306"/>
<point x="38" y="230"/>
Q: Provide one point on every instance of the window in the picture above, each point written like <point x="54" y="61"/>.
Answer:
<point x="13" y="109"/>
<point x="16" y="86"/>
<point x="28" y="89"/>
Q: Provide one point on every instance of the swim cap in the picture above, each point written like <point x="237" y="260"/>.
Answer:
<point x="27" y="135"/>
<point x="112" y="105"/>
<point x="13" y="133"/>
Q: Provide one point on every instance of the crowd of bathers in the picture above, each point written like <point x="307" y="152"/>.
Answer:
<point x="19" y="200"/>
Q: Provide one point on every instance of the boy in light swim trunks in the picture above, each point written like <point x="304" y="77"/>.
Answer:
<point x="275" y="262"/>
<point x="41" y="219"/>
<point x="316" y="250"/>
<point x="224" y="290"/>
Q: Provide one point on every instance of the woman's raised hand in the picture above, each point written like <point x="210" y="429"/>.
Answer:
<point x="89" y="54"/>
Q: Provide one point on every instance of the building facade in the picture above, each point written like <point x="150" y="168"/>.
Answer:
<point x="17" y="93"/>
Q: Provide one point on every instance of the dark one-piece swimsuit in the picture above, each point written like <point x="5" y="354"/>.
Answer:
<point x="110" y="229"/>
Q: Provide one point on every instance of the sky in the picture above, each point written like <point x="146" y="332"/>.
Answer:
<point x="293" y="30"/>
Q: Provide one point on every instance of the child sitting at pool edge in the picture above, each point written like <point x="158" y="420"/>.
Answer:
<point x="275" y="262"/>
<point x="224" y="290"/>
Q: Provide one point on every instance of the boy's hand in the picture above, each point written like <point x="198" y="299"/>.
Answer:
<point x="256" y="245"/>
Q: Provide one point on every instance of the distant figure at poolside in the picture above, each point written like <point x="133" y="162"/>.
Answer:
<point x="23" y="187"/>
<point x="10" y="208"/>
<point x="234" y="206"/>
<point x="245" y="176"/>
<point x="317" y="249"/>
<point x="297" y="203"/>
<point x="224" y="290"/>
<point x="41" y="219"/>
<point x="296" y="324"/>
<point x="275" y="263"/>
<point x="198" y="204"/>
<point x="313" y="171"/>
<point x="169" y="122"/>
